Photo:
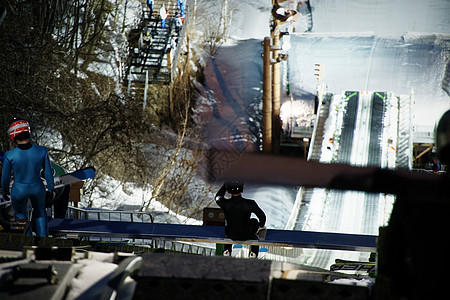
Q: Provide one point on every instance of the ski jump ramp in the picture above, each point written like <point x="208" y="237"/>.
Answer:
<point x="211" y="234"/>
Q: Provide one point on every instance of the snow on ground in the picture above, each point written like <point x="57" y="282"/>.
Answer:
<point x="127" y="196"/>
<point x="296" y="113"/>
<point x="93" y="276"/>
<point x="367" y="282"/>
<point x="381" y="16"/>
<point x="251" y="20"/>
<point x="276" y="202"/>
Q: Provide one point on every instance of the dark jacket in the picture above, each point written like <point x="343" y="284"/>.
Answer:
<point x="238" y="211"/>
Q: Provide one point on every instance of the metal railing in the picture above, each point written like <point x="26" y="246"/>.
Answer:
<point x="277" y="253"/>
<point x="442" y="172"/>
<point x="108" y="215"/>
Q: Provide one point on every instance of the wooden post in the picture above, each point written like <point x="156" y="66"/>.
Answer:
<point x="75" y="195"/>
<point x="276" y="89"/>
<point x="305" y="147"/>
<point x="267" y="100"/>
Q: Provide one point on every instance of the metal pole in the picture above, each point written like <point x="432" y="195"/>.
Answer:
<point x="3" y="13"/>
<point x="169" y="65"/>
<point x="129" y="84"/>
<point x="276" y="89"/>
<point x="267" y="100"/>
<point x="145" y="90"/>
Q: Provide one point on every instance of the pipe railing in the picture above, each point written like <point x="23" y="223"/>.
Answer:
<point x="108" y="215"/>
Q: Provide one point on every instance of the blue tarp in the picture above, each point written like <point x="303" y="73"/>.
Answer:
<point x="287" y="238"/>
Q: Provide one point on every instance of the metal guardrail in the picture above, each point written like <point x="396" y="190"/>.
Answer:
<point x="136" y="216"/>
<point x="277" y="253"/>
<point x="442" y="172"/>
<point x="108" y="215"/>
<point x="184" y="247"/>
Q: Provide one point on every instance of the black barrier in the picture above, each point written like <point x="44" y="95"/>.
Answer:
<point x="165" y="276"/>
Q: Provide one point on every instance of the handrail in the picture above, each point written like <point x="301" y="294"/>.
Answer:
<point x="76" y="213"/>
<point x="428" y="171"/>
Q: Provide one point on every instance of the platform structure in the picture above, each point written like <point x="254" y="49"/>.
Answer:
<point x="210" y="234"/>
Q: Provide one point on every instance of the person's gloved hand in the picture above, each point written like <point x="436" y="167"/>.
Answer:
<point x="261" y="233"/>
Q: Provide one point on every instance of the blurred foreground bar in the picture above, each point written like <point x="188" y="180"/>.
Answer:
<point x="277" y="170"/>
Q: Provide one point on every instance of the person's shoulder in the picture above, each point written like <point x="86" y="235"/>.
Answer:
<point x="223" y="202"/>
<point x="249" y="201"/>
<point x="222" y="199"/>
<point x="39" y="148"/>
<point x="10" y="152"/>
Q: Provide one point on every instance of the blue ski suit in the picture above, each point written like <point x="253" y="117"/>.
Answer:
<point x="26" y="162"/>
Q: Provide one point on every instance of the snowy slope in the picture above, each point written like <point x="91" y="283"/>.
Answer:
<point x="276" y="202"/>
<point x="250" y="20"/>
<point x="368" y="62"/>
<point x="381" y="16"/>
<point x="379" y="45"/>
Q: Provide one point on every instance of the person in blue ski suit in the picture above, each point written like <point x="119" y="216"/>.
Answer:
<point x="150" y="4"/>
<point x="182" y="5"/>
<point x="5" y="223"/>
<point x="26" y="162"/>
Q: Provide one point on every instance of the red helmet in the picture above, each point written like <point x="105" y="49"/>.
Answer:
<point x="17" y="126"/>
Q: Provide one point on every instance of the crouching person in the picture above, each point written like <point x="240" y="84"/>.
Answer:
<point x="239" y="224"/>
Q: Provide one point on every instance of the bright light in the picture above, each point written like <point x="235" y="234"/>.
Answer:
<point x="286" y="45"/>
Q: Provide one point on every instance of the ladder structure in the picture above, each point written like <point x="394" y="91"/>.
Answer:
<point x="405" y="134"/>
<point x="153" y="48"/>
<point x="319" y="129"/>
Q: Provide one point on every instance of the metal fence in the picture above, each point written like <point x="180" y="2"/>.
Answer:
<point x="108" y="215"/>
<point x="276" y="253"/>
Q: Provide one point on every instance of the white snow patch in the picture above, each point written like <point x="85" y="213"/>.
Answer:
<point x="92" y="277"/>
<point x="251" y="20"/>
<point x="365" y="282"/>
<point x="117" y="195"/>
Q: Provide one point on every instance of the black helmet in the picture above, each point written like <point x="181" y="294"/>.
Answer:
<point x="443" y="138"/>
<point x="235" y="187"/>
